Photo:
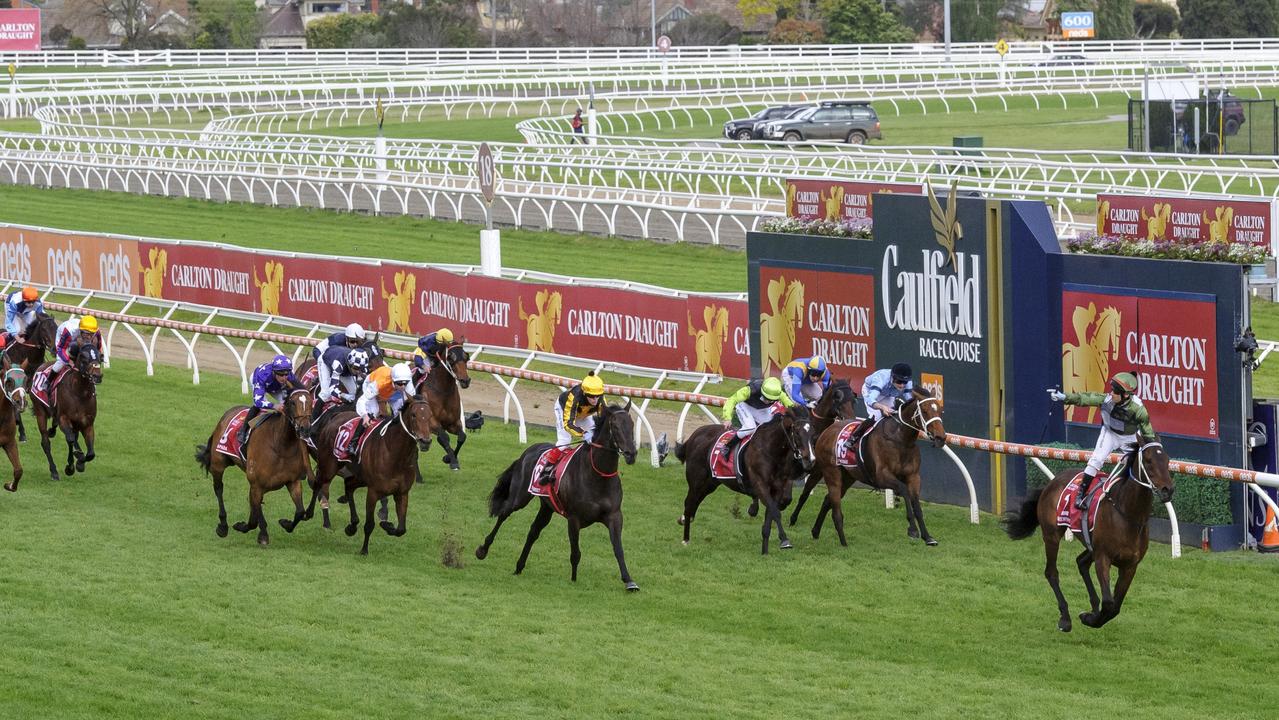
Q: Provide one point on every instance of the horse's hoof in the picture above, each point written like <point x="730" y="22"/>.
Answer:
<point x="786" y="545"/>
<point x="912" y="533"/>
<point x="931" y="542"/>
<point x="241" y="527"/>
<point x="684" y="543"/>
<point x="1064" y="624"/>
<point x="79" y="466"/>
<point x="455" y="467"/>
<point x="68" y="470"/>
<point x="350" y="530"/>
<point x="341" y="499"/>
<point x="632" y="587"/>
<point x="263" y="541"/>
<point x="753" y="510"/>
<point x="481" y="552"/>
<point x="287" y="525"/>
<point x="364" y="551"/>
<point x="11" y="487"/>
<point x="53" y="475"/>
<point x="220" y="530"/>
<point x="308" y="514"/>
<point x="816" y="533"/>
<point x="389" y="528"/>
<point x="444" y="460"/>
<point x="89" y="458"/>
<point x="1089" y="619"/>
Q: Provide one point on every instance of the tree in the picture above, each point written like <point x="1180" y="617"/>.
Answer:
<point x="1261" y="18"/>
<point x="705" y="29"/>
<point x="863" y="21"/>
<point x="970" y="20"/>
<point x="1114" y="20"/>
<point x="1212" y="19"/>
<point x="753" y="10"/>
<point x="59" y="34"/>
<point x="1154" y="19"/>
<point x="796" y="32"/>
<point x="339" y="30"/>
<point x="437" y="23"/>
<point x="126" y="18"/>
<point x="226" y="23"/>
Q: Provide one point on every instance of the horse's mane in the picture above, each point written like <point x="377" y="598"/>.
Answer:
<point x="922" y="392"/>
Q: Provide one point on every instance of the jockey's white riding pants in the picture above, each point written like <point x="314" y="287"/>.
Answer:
<point x="1107" y="442"/>
<point x="564" y="438"/>
<point x="751" y="418"/>
<point x="328" y="384"/>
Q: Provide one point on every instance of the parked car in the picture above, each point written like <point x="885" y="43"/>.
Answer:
<point x="1233" y="115"/>
<point x="1064" y="60"/>
<point x="750" y="128"/>
<point x="851" y="121"/>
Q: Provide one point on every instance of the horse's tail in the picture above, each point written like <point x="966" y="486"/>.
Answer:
<point x="681" y="451"/>
<point x="1021" y="524"/>
<point x="502" y="488"/>
<point x="204" y="455"/>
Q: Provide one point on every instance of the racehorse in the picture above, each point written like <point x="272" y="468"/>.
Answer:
<point x="440" y="389"/>
<point x="780" y="450"/>
<point x="1119" y="537"/>
<point x="590" y="491"/>
<point x="889" y="460"/>
<point x="276" y="458"/>
<point x="27" y="352"/>
<point x="387" y="466"/>
<point x="12" y="402"/>
<point x="838" y="402"/>
<point x="75" y="407"/>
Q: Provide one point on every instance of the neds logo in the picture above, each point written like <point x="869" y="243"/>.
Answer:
<point x="64" y="267"/>
<point x="15" y="260"/>
<point x="116" y="271"/>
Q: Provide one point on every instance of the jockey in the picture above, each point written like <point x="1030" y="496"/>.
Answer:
<point x="885" y="386"/>
<point x="352" y="337"/>
<point x="575" y="415"/>
<point x="341" y="370"/>
<point x="430" y="347"/>
<point x="20" y="310"/>
<point x="385" y="392"/>
<point x="71" y="335"/>
<point x="754" y="405"/>
<point x="271" y="380"/>
<point x="805" y="379"/>
<point x="1123" y="418"/>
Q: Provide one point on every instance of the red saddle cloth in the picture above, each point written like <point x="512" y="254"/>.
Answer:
<point x="348" y="431"/>
<point x="1068" y="516"/>
<point x="551" y="490"/>
<point x="229" y="442"/>
<point x="846" y="455"/>
<point x="724" y="465"/>
<point x="311" y="376"/>
<point x="44" y="389"/>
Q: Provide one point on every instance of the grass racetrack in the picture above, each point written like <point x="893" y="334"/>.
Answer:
<point x="120" y="602"/>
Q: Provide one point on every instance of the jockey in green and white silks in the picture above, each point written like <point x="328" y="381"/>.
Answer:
<point x="1123" y="418"/>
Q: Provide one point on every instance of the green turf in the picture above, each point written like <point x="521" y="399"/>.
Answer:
<point x="681" y="265"/>
<point x="120" y="602"/>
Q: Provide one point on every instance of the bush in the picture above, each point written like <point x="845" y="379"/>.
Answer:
<point x="1093" y="244"/>
<point x="76" y="43"/>
<point x="860" y="229"/>
<point x="796" y="32"/>
<point x="1197" y="500"/>
<point x="338" y="31"/>
<point x="59" y="34"/>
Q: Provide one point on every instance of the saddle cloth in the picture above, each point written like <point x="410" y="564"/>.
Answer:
<point x="846" y="455"/>
<point x="1068" y="516"/>
<point x="42" y="388"/>
<point x="724" y="465"/>
<point x="347" y="431"/>
<point x="311" y="376"/>
<point x="552" y="489"/>
<point x="229" y="442"/>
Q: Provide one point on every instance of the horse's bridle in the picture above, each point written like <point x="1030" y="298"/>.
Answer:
<point x="297" y="428"/>
<point x="792" y="441"/>
<point x="835" y="389"/>
<point x="922" y="428"/>
<point x="448" y="366"/>
<point x="612" y="436"/>
<point x="19" y="386"/>
<point x="405" y="425"/>
<point x="1142" y="475"/>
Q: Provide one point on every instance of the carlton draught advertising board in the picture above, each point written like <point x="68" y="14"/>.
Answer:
<point x="1188" y="220"/>
<point x="838" y="200"/>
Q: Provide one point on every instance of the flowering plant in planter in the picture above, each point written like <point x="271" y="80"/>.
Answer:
<point x="1238" y="253"/>
<point x="860" y="228"/>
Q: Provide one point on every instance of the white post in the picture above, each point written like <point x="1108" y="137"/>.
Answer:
<point x="946" y="26"/>
<point x="591" y="127"/>
<point x="1145" y="108"/>
<point x="13" y="100"/>
<point x="491" y="250"/>
<point x="379" y="150"/>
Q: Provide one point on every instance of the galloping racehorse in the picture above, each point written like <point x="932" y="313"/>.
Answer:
<point x="590" y="490"/>
<point x="838" y="402"/>
<point x="387" y="466"/>
<point x="12" y="402"/>
<point x="276" y="458"/>
<point x="1119" y="537"/>
<point x="888" y="460"/>
<point x="27" y="352"/>
<point x="74" y="408"/>
<point x="779" y="451"/>
<point x="440" y="389"/>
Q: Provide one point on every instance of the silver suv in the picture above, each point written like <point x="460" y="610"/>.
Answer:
<point x="853" y="122"/>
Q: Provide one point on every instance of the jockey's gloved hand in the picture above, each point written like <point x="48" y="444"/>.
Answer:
<point x="1056" y="395"/>
<point x="812" y="404"/>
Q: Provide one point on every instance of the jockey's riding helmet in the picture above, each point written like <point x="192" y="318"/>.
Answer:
<point x="401" y="374"/>
<point x="816" y="365"/>
<point x="30" y="294"/>
<point x="901" y="372"/>
<point x="593" y="385"/>
<point x="358" y="360"/>
<point x="1124" y="383"/>
<point x="354" y="332"/>
<point x="88" y="323"/>
<point x="444" y="335"/>
<point x="771" y="389"/>
<point x="281" y="364"/>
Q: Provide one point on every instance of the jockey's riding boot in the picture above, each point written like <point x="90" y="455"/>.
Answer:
<point x="548" y="471"/>
<point x="242" y="435"/>
<point x="1081" y="501"/>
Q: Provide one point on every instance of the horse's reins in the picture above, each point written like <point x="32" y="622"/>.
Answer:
<point x="1137" y="477"/>
<point x="919" y="415"/>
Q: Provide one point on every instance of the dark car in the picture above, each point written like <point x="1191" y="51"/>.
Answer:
<point x="1232" y="112"/>
<point x="1064" y="60"/>
<point x="851" y="121"/>
<point x="749" y="128"/>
